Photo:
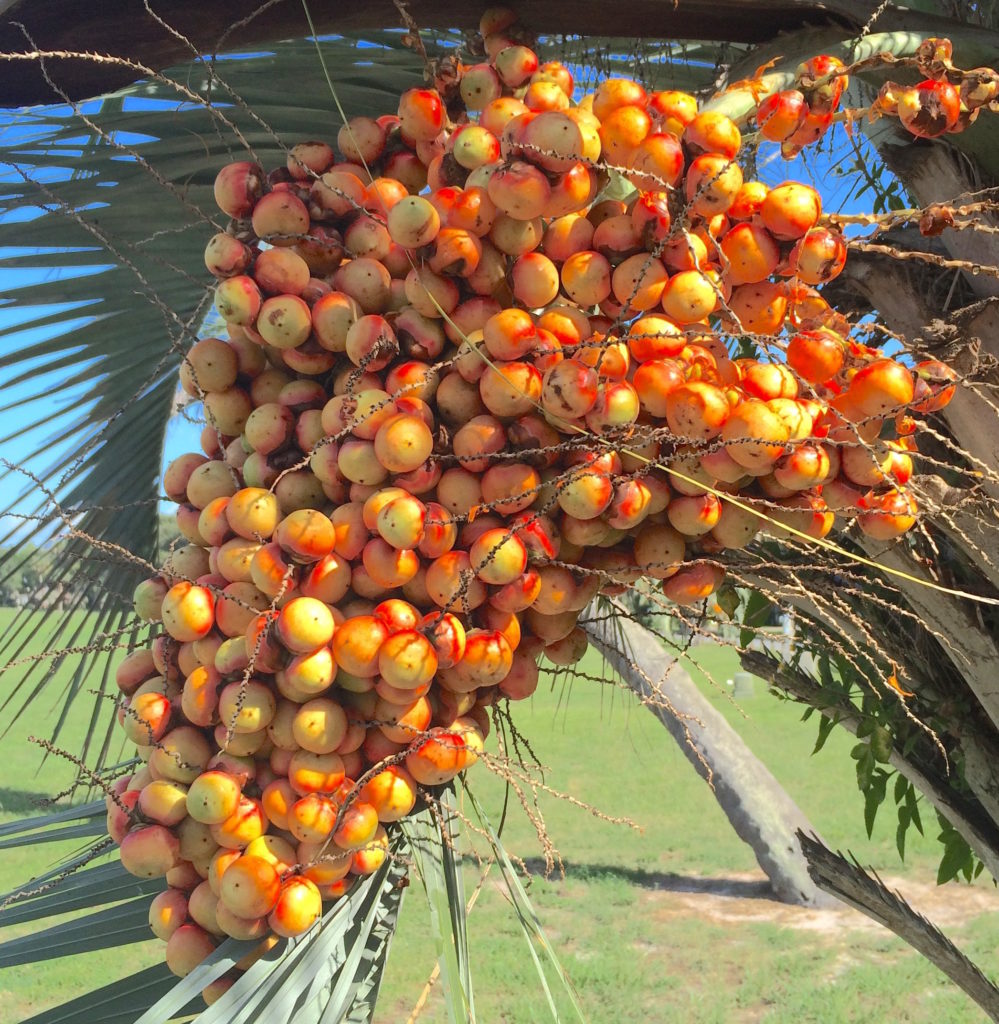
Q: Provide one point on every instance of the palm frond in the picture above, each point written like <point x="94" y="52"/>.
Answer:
<point x="353" y="988"/>
<point x="118" y="1002"/>
<point x="527" y="917"/>
<point x="120" y="925"/>
<point x="866" y="892"/>
<point x="36" y="823"/>
<point x="81" y="890"/>
<point x="432" y="836"/>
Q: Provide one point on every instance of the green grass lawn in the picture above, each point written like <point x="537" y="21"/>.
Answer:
<point x="665" y="922"/>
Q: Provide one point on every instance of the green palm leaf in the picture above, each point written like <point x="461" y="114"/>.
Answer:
<point x="118" y="1002"/>
<point x="81" y="890"/>
<point x="534" y="934"/>
<point x="120" y="925"/>
<point x="432" y="837"/>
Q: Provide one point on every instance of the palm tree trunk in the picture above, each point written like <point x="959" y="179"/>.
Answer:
<point x="756" y="805"/>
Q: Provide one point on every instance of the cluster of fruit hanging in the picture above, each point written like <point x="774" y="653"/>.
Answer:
<point x="946" y="102"/>
<point x="461" y="394"/>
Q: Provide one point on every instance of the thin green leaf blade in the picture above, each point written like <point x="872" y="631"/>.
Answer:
<point x="120" y="925"/>
<point x="116" y="1003"/>
<point x="436" y="872"/>
<point x="94" y="809"/>
<point x="533" y="932"/>
<point x="81" y="890"/>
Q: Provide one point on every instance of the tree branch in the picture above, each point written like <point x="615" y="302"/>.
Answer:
<point x="867" y="893"/>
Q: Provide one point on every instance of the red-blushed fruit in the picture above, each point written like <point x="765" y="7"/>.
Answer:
<point x="183" y="876"/>
<point x="358" y="823"/>
<point x="498" y="557"/>
<point x="751" y="252"/>
<point x="319" y="726"/>
<point x="134" y="670"/>
<point x="280" y="218"/>
<point x="181" y="755"/>
<point x="781" y="114"/>
<point x="736" y="526"/>
<point x="187" y="947"/>
<point x="407" y="660"/>
<point x="929" y="109"/>
<point x="694" y="515"/>
<point x="238" y="186"/>
<point x="146" y="718"/>
<point x="479" y="86"/>
<point x="307" y="159"/>
<point x="306" y="535"/>
<point x="245" y="708"/>
<point x="299" y="905"/>
<point x="790" y="210"/>
<point x="305" y="624"/>
<point x="323" y="863"/>
<point x="447" y="751"/>
<point x="250" y="887"/>
<point x="188" y="611"/>
<point x="240" y="927"/>
<point x="149" y="851"/>
<point x="202" y="908"/>
<point x="712" y="182"/>
<point x="246" y="823"/>
<point x="806" y="513"/>
<point x="310" y="773"/>
<point x="932" y="386"/>
<point x="816" y="356"/>
<point x="218" y="865"/>
<point x="693" y="582"/>
<point x="887" y="515"/>
<point x="818" y="257"/>
<point x="163" y="802"/>
<point x="804" y="466"/>
<point x="367" y="859"/>
<point x="566" y="651"/>
<point x="391" y="792"/>
<point x="121" y="814"/>
<point x="697" y="410"/>
<point x="213" y="797"/>
<point x="692" y="294"/>
<point x="447" y="634"/>
<point x="421" y="114"/>
<point x="883" y="386"/>
<point x="356" y="644"/>
<point x="754" y="435"/>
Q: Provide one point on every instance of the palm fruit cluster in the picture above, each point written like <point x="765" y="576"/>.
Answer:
<point x="461" y="394"/>
<point x="799" y="117"/>
<point x="947" y="101"/>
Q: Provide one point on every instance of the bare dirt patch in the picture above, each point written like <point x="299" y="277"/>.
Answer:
<point x="746" y="898"/>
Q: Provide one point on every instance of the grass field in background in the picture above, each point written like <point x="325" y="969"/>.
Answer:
<point x="667" y="922"/>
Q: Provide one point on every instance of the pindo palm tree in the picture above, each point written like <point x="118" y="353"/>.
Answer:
<point x="112" y="142"/>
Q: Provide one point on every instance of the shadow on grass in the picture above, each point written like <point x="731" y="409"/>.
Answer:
<point x="739" y="888"/>
<point x="25" y="802"/>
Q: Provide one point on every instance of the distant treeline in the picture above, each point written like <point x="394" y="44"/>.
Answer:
<point x="26" y="570"/>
